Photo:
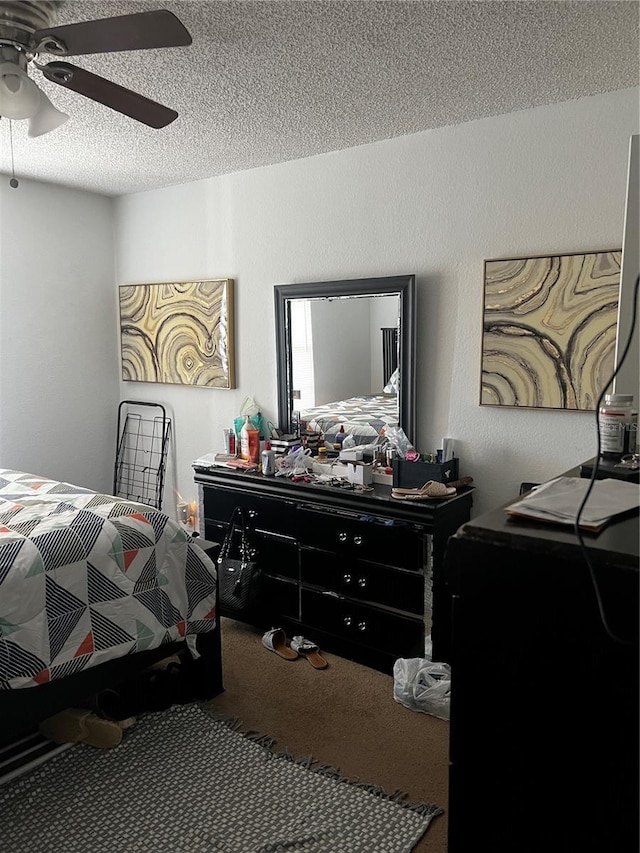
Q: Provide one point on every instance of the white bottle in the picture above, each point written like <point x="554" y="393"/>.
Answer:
<point x="618" y="423"/>
<point x="268" y="460"/>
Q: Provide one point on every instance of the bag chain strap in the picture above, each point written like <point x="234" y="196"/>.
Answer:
<point x="245" y="550"/>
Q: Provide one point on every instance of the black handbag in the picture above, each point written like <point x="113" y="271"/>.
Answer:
<point x="239" y="578"/>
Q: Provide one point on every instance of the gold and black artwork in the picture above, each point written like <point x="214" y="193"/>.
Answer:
<point x="549" y="329"/>
<point x="178" y="332"/>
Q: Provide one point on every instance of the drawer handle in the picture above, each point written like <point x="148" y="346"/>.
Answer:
<point x="342" y="537"/>
<point x="357" y="540"/>
<point x="348" y="621"/>
<point x="252" y="513"/>
<point x="362" y="626"/>
<point x="362" y="582"/>
<point x="346" y="579"/>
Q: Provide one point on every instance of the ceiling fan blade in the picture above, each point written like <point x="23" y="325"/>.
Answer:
<point x="110" y="94"/>
<point x="140" y="31"/>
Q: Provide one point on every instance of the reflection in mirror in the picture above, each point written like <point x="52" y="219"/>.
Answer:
<point x="345" y="356"/>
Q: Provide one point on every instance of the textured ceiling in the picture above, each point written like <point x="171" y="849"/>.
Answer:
<point x="265" y="82"/>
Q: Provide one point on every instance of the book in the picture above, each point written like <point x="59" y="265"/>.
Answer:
<point x="284" y="443"/>
<point x="223" y="460"/>
<point x="559" y="501"/>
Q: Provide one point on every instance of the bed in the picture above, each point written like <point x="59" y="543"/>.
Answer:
<point x="365" y="417"/>
<point x="94" y="588"/>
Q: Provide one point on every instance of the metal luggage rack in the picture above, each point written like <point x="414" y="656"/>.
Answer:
<point x="141" y="453"/>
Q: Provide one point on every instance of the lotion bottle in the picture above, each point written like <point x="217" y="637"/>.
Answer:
<point x="249" y="442"/>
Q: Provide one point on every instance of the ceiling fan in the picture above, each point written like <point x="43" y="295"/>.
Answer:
<point x="27" y="30"/>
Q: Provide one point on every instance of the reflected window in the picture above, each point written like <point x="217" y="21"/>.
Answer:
<point x="302" y="355"/>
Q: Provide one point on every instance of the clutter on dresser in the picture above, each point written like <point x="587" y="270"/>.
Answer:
<point x="306" y="457"/>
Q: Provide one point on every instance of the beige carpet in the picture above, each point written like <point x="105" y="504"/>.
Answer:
<point x="344" y="716"/>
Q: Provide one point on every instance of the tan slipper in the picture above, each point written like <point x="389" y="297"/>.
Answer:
<point x="310" y="651"/>
<point x="428" y="490"/>
<point x="276" y="641"/>
<point x="424" y="497"/>
<point x="77" y="725"/>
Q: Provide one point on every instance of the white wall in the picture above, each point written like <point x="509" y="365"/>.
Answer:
<point x="58" y="340"/>
<point x="341" y="346"/>
<point x="550" y="179"/>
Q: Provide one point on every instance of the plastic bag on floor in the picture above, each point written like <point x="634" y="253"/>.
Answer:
<point x="423" y="685"/>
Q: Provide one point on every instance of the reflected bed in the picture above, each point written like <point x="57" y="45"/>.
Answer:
<point x="364" y="417"/>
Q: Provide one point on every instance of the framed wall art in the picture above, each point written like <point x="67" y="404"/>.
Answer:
<point x="178" y="332"/>
<point x="549" y="329"/>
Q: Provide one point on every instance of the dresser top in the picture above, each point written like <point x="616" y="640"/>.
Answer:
<point x="376" y="501"/>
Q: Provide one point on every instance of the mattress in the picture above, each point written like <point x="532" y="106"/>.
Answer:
<point x="87" y="577"/>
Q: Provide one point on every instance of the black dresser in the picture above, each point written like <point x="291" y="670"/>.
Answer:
<point x="544" y="703"/>
<point x="360" y="573"/>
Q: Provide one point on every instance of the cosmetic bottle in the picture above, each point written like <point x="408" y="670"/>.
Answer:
<point x="268" y="460"/>
<point x="249" y="442"/>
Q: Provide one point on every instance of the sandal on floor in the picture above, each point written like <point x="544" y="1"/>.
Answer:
<point x="77" y="725"/>
<point x="428" y="490"/>
<point x="310" y="651"/>
<point x="276" y="641"/>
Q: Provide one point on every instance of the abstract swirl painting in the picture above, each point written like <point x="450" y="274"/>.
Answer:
<point x="178" y="332"/>
<point x="549" y="330"/>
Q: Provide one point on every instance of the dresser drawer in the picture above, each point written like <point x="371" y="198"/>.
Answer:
<point x="399" y="635"/>
<point x="280" y="599"/>
<point x="277" y="555"/>
<point x="275" y="515"/>
<point x="362" y="580"/>
<point x="395" y="544"/>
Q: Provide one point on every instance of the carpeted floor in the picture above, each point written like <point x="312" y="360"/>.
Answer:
<point x="344" y="716"/>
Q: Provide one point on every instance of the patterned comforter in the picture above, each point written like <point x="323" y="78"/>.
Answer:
<point x="86" y="577"/>
<point x="363" y="417"/>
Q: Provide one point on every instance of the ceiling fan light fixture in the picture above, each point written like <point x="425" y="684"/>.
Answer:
<point x="47" y="118"/>
<point x="19" y="95"/>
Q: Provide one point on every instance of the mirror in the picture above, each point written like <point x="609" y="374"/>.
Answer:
<point x="346" y="355"/>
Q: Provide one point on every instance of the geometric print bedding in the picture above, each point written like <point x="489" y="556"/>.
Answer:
<point x="364" y="417"/>
<point x="86" y="577"/>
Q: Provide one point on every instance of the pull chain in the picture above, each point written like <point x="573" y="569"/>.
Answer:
<point x="13" y="183"/>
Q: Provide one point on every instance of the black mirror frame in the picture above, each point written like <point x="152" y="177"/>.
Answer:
<point x="404" y="286"/>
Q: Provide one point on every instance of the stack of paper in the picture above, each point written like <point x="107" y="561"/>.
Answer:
<point x="559" y="500"/>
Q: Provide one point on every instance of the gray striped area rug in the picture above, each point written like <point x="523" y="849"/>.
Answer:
<point x="184" y="781"/>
